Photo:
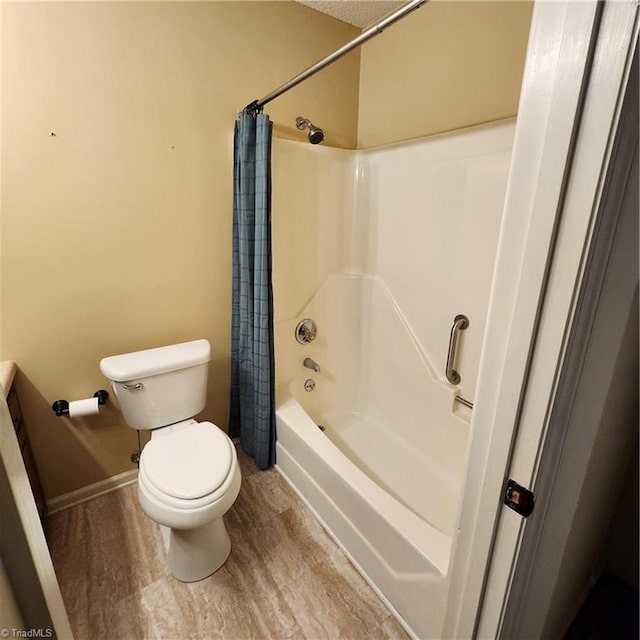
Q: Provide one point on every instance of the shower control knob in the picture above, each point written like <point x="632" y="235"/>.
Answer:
<point x="306" y="331"/>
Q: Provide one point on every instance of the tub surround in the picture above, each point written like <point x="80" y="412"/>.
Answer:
<point x="383" y="411"/>
<point x="426" y="221"/>
<point x="417" y="230"/>
<point x="364" y="219"/>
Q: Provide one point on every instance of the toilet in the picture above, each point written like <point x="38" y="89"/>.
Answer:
<point x="189" y="475"/>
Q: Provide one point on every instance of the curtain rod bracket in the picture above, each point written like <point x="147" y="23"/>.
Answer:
<point x="253" y="108"/>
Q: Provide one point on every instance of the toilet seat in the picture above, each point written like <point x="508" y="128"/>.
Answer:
<point x="188" y="468"/>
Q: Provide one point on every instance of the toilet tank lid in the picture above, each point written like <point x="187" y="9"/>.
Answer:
<point x="151" y="362"/>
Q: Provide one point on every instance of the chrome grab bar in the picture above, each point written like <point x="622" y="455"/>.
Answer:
<point x="460" y="323"/>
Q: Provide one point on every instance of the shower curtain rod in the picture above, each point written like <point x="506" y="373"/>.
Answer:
<point x="256" y="106"/>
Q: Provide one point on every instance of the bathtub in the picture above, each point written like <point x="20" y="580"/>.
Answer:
<point x="378" y="449"/>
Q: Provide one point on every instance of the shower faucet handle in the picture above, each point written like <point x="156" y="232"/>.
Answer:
<point x="306" y="331"/>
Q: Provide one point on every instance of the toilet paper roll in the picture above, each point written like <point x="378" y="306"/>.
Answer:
<point x="87" y="407"/>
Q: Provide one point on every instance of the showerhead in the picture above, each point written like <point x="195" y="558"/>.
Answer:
<point x="316" y="134"/>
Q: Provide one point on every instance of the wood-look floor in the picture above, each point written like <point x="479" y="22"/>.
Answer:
<point x="285" y="577"/>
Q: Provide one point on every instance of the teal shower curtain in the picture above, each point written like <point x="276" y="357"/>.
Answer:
<point x="252" y="411"/>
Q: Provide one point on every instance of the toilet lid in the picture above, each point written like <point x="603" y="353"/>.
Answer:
<point x="190" y="463"/>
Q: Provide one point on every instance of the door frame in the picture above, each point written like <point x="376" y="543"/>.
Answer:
<point x="577" y="66"/>
<point x="593" y="423"/>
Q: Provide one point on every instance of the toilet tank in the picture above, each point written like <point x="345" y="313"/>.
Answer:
<point x="157" y="387"/>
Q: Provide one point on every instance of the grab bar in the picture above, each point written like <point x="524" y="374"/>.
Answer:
<point x="460" y="323"/>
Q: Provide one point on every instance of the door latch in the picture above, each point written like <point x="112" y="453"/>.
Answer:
<point x="519" y="498"/>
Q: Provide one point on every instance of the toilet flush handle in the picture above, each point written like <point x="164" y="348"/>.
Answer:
<point x="138" y="386"/>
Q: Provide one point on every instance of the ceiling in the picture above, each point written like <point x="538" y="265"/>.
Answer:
<point x="359" y="13"/>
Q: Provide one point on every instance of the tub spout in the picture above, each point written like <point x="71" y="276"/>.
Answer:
<point x="311" y="364"/>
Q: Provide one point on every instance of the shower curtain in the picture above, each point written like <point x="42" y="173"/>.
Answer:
<point x="252" y="411"/>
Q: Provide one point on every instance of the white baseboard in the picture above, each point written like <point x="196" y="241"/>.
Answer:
<point x="84" y="494"/>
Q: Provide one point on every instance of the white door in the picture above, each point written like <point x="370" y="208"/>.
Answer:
<point x="577" y="67"/>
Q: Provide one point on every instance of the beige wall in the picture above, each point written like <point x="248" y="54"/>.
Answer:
<point x="116" y="205"/>
<point x="446" y="66"/>
<point x="9" y="613"/>
<point x="115" y="233"/>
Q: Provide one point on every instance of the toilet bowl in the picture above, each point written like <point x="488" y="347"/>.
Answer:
<point x="189" y="475"/>
<point x="188" y="479"/>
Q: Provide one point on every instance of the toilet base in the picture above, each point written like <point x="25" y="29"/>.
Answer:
<point x="194" y="554"/>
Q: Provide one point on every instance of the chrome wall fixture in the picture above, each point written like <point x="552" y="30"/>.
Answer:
<point x="316" y="134"/>
<point x="311" y="364"/>
<point x="306" y="331"/>
<point x="460" y="323"/>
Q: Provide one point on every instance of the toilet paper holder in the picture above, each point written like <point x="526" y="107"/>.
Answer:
<point x="61" y="407"/>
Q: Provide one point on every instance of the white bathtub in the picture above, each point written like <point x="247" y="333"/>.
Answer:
<point x="384" y="476"/>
